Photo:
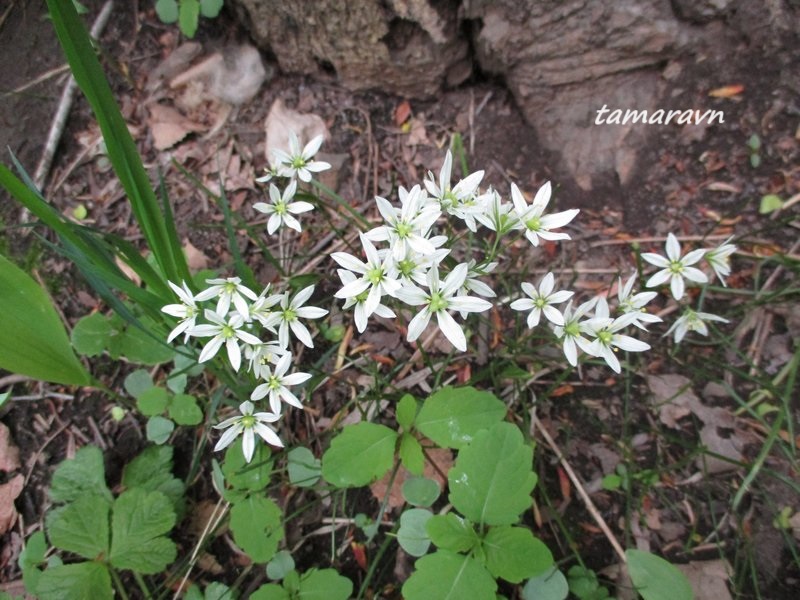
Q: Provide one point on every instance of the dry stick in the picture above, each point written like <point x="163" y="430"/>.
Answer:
<point x="581" y="491"/>
<point x="64" y="105"/>
<point x="37" y="80"/>
<point x="211" y="525"/>
<point x="682" y="238"/>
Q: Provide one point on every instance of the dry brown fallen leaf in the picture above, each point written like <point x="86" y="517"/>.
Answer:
<point x="169" y="126"/>
<point x="195" y="258"/>
<point x="282" y="121"/>
<point x="8" y="493"/>
<point x="709" y="579"/>
<point x="9" y="453"/>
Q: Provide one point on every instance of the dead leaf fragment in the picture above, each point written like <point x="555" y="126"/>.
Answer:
<point x="443" y="459"/>
<point x="169" y="126"/>
<point x="9" y="453"/>
<point x="195" y="258"/>
<point x="281" y="122"/>
<point x="709" y="579"/>
<point x="8" y="493"/>
<point x="727" y="91"/>
<point x="673" y="396"/>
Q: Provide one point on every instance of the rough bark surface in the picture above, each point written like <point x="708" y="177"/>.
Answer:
<point x="562" y="59"/>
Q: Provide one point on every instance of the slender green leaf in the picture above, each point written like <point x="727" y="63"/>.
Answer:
<point x="492" y="479"/>
<point x="40" y="348"/>
<point x="360" y="454"/>
<point x="445" y="575"/>
<point x="452" y="416"/>
<point x="188" y="16"/>
<point x="411" y="455"/>
<point x="75" y="582"/>
<point x="656" y="578"/>
<point x="406" y="411"/>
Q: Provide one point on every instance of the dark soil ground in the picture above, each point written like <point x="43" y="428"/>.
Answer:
<point x="690" y="181"/>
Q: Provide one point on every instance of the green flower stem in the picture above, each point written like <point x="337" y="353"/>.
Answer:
<point x="388" y="539"/>
<point x="118" y="584"/>
<point x="385" y="502"/>
<point x="142" y="585"/>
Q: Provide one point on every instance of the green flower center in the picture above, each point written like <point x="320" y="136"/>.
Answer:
<point x="437" y="302"/>
<point x="403" y="230"/>
<point x="289" y="315"/>
<point x="534" y="224"/>
<point x="675" y="267"/>
<point x="280" y="208"/>
<point x="248" y="421"/>
<point x="406" y="266"/>
<point x="540" y="302"/>
<point x="298" y="162"/>
<point x="375" y="275"/>
<point x="229" y="288"/>
<point x="228" y="332"/>
<point x="273" y="383"/>
<point x="572" y="329"/>
<point x="605" y="337"/>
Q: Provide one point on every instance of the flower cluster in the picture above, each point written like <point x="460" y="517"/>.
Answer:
<point x="240" y="321"/>
<point x="418" y="266"/>
<point x="678" y="269"/>
<point x="295" y="164"/>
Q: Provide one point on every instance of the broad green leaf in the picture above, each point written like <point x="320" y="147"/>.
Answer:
<point x="452" y="416"/>
<point x="420" y="491"/>
<point x="81" y="526"/>
<point x="152" y="402"/>
<point x="655" y="578"/>
<point x="80" y="475"/>
<point x="492" y="479"/>
<point x="210" y="8"/>
<point x="583" y="583"/>
<point x="304" y="468"/>
<point x="445" y="575"/>
<point x="159" y="429"/>
<point x="140" y="519"/>
<point x="270" y="591"/>
<point x="256" y="526"/>
<point x="75" y="582"/>
<point x="406" y="411"/>
<point x="183" y="410"/>
<point x="35" y="342"/>
<point x="91" y="334"/>
<point x="411" y="454"/>
<point x="243" y="476"/>
<point x="280" y="565"/>
<point x="513" y="554"/>
<point x="152" y="471"/>
<point x="451" y="532"/>
<point x="167" y="10"/>
<point x="141" y="348"/>
<point x="177" y="383"/>
<point x="188" y="15"/>
<point x="31" y="557"/>
<point x="360" y="454"/>
<point x="218" y="591"/>
<point x="138" y="382"/>
<point x="770" y="203"/>
<point x="324" y="584"/>
<point x="412" y="536"/>
<point x="550" y="585"/>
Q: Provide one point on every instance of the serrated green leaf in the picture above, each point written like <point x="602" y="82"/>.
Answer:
<point x="210" y="8"/>
<point x="360" y="454"/>
<point x="81" y="526"/>
<point x="304" y="468"/>
<point x="420" y="491"/>
<point x="492" y="479"/>
<point x="140" y="519"/>
<point x="451" y="532"/>
<point x="140" y="348"/>
<point x="280" y="565"/>
<point x="513" y="554"/>
<point x="550" y="585"/>
<point x="324" y="584"/>
<point x="188" y="15"/>
<point x="40" y="348"/>
<point x="406" y="411"/>
<point x="91" y="334"/>
<point x="75" y="582"/>
<point x="80" y="475"/>
<point x="270" y="591"/>
<point x="167" y="10"/>
<point x="152" y="471"/>
<point x="152" y="402"/>
<point x="256" y="526"/>
<point x="159" y="429"/>
<point x="138" y="382"/>
<point x="411" y="455"/>
<point x="445" y="575"/>
<point x="452" y="416"/>
<point x="243" y="476"/>
<point x="655" y="578"/>
<point x="30" y="558"/>
<point x="412" y="536"/>
<point x="183" y="410"/>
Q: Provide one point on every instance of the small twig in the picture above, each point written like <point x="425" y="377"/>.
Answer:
<point x="41" y="78"/>
<point x="12" y="379"/>
<point x="211" y="525"/>
<point x="581" y="491"/>
<point x="682" y="238"/>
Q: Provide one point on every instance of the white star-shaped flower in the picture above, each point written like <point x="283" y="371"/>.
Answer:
<point x="438" y="300"/>
<point x="607" y="338"/>
<point x="298" y="163"/>
<point x="187" y="311"/>
<point x="541" y="301"/>
<point x="248" y="424"/>
<point x="570" y="333"/>
<point x="359" y="301"/>
<point x="288" y="316"/>
<point x="408" y="226"/>
<point x="277" y="385"/>
<point x="719" y="259"/>
<point x="281" y="209"/>
<point x="451" y="199"/>
<point x="228" y="333"/>
<point x="691" y="320"/>
<point x="635" y="303"/>
<point x="674" y="268"/>
<point x="229" y="290"/>
<point x="534" y="222"/>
